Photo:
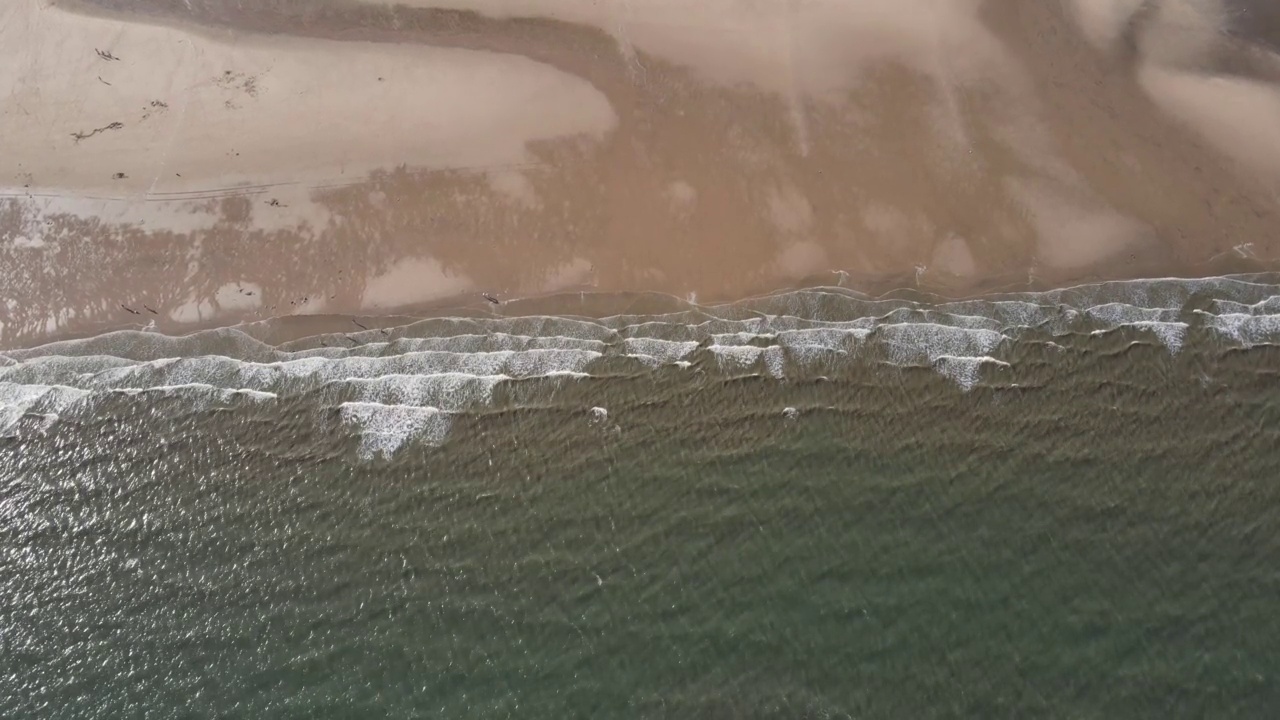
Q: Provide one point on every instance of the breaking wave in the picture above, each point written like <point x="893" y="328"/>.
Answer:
<point x="393" y="386"/>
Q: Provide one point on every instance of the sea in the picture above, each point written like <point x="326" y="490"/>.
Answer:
<point x="810" y="504"/>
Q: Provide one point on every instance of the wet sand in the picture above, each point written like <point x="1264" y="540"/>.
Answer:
<point x="193" y="162"/>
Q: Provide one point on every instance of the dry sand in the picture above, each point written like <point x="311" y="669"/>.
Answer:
<point x="198" y="162"/>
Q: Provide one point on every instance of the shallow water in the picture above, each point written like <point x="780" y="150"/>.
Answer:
<point x="813" y="504"/>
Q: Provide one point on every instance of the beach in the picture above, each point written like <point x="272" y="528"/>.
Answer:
<point x="177" y="165"/>
<point x="639" y="358"/>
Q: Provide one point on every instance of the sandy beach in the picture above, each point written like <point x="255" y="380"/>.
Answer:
<point x="181" y="163"/>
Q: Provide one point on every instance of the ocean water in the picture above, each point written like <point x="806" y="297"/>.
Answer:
<point x="808" y="505"/>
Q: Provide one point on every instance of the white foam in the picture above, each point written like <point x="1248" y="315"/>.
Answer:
<point x="742" y="357"/>
<point x="916" y="343"/>
<point x="57" y="401"/>
<point x="1171" y="334"/>
<point x="493" y="342"/>
<point x="219" y="393"/>
<point x="461" y="362"/>
<point x="17" y="401"/>
<point x="451" y="392"/>
<point x="1117" y="314"/>
<point x="442" y="380"/>
<point x="230" y="372"/>
<point x="827" y="338"/>
<point x="737" y="356"/>
<point x="964" y="371"/>
<point x="1247" y="330"/>
<point x="665" y="351"/>
<point x="738" y="339"/>
<point x="1269" y="306"/>
<point x="385" y="429"/>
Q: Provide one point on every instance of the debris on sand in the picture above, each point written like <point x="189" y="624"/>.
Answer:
<point x="84" y="136"/>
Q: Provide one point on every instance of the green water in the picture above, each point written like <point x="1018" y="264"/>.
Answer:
<point x="1091" y="533"/>
<point x="1011" y="555"/>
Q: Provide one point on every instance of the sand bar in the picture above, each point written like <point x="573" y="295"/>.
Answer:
<point x="184" y="163"/>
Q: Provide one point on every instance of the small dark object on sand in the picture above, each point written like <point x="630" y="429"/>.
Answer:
<point x="84" y="136"/>
<point x="119" y="176"/>
<point x="105" y="55"/>
<point x="129" y="310"/>
<point x="357" y="322"/>
<point x="148" y="309"/>
<point x="491" y="298"/>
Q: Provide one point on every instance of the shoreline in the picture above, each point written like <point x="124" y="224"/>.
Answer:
<point x="424" y="155"/>
<point x="588" y="303"/>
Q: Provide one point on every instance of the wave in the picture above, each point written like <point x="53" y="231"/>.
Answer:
<point x="407" y="383"/>
<point x="384" y="429"/>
